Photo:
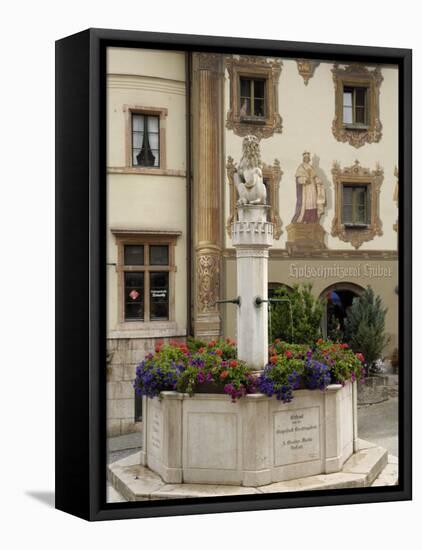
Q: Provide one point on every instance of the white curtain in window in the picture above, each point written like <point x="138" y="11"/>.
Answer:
<point x="138" y="123"/>
<point x="347" y="108"/>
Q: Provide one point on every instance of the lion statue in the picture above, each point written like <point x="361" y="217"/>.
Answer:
<point x="248" y="176"/>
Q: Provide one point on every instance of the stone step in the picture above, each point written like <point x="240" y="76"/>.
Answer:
<point x="369" y="466"/>
<point x="389" y="475"/>
<point x="369" y="461"/>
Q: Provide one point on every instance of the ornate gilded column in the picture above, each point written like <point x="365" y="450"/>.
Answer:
<point x="207" y="161"/>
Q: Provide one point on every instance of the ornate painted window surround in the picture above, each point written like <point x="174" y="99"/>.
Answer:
<point x="248" y="66"/>
<point x="146" y="237"/>
<point x="357" y="75"/>
<point x="361" y="176"/>
<point x="272" y="175"/>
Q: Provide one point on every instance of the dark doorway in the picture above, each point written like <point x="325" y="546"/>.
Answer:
<point x="338" y="300"/>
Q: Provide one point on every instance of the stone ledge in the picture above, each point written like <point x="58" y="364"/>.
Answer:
<point x="389" y="475"/>
<point x="370" y="462"/>
<point x="371" y="465"/>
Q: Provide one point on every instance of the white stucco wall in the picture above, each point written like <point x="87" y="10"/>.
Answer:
<point x="146" y="78"/>
<point x="308" y="113"/>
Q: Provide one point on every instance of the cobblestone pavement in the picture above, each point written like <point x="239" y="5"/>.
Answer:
<point x="379" y="424"/>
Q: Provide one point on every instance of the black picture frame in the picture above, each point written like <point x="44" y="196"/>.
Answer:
<point x="80" y="273"/>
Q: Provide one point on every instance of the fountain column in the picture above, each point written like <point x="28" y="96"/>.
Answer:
<point x="252" y="236"/>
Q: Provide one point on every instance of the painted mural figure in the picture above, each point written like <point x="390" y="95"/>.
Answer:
<point x="310" y="193"/>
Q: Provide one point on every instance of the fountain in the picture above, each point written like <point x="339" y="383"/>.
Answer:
<point x="257" y="440"/>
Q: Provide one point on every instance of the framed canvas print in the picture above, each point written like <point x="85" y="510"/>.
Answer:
<point x="233" y="274"/>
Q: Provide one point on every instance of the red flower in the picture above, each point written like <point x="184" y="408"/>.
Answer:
<point x="273" y="359"/>
<point x="201" y="350"/>
<point x="158" y="346"/>
<point x="224" y="374"/>
<point x="233" y="363"/>
<point x="289" y="354"/>
<point x="361" y="357"/>
<point x="211" y="343"/>
<point x="218" y="351"/>
<point x="344" y="346"/>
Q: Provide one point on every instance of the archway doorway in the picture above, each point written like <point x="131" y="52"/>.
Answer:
<point x="272" y="287"/>
<point x="338" y="298"/>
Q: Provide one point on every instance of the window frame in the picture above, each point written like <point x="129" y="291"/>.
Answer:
<point x="355" y="186"/>
<point x="357" y="234"/>
<point x="162" y="114"/>
<point x="252" y="118"/>
<point x="357" y="76"/>
<point x="146" y="123"/>
<point x="354" y="124"/>
<point x="255" y="68"/>
<point x="146" y="239"/>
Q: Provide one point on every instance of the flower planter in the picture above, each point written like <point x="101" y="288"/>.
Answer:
<point x="255" y="441"/>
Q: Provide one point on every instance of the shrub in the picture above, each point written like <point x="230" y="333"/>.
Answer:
<point x="304" y="324"/>
<point x="365" y="326"/>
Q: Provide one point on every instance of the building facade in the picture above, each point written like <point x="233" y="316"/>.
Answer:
<point x="328" y="138"/>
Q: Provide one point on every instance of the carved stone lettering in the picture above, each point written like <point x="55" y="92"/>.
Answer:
<point x="296" y="436"/>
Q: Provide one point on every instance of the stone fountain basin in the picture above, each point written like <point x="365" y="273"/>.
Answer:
<point x="256" y="441"/>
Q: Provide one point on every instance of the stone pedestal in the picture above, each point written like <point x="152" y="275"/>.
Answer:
<point x="253" y="442"/>
<point x="252" y="236"/>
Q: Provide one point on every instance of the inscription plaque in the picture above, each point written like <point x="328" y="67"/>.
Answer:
<point x="296" y="436"/>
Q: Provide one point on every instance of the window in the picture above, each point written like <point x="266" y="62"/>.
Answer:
<point x="253" y="95"/>
<point x="252" y="99"/>
<point x="355" y="106"/>
<point x="357" y="90"/>
<point x="146" y="277"/>
<point x="145" y="140"/>
<point x="356" y="218"/>
<point x="146" y="282"/>
<point x="355" y="205"/>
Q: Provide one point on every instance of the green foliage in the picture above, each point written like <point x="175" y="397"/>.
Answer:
<point x="365" y="326"/>
<point x="303" y="324"/>
<point x="334" y="330"/>
<point x="224" y="347"/>
<point x="195" y="343"/>
<point x="279" y="347"/>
